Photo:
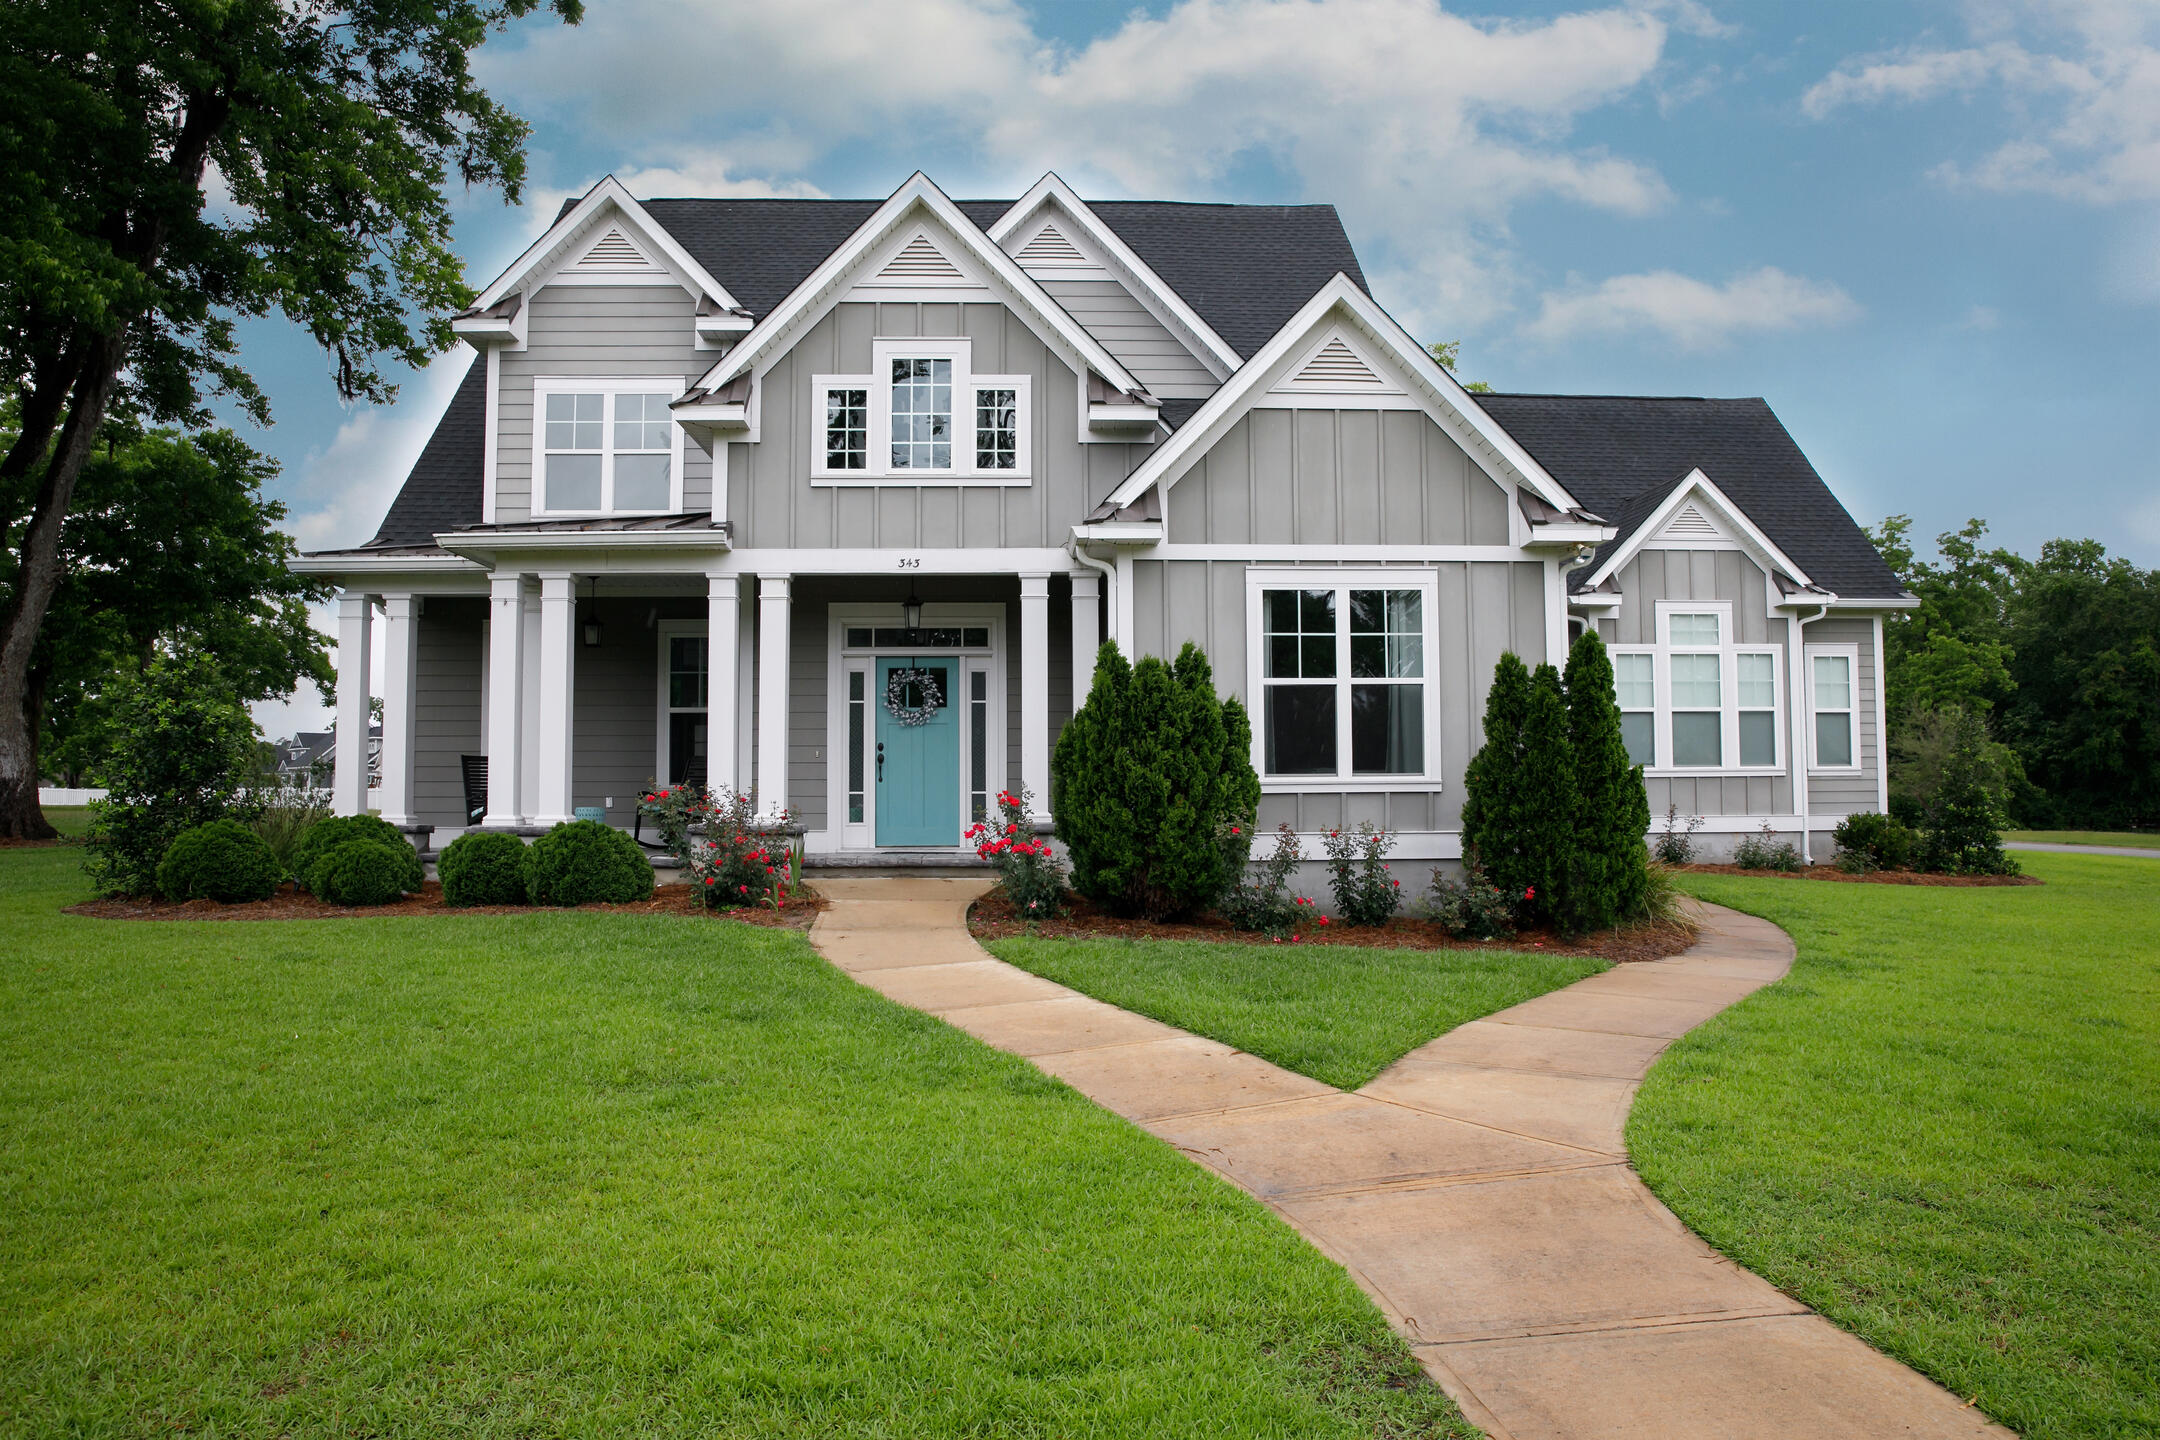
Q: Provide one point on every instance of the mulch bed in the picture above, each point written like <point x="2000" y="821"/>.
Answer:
<point x="1876" y="877"/>
<point x="994" y="918"/>
<point x="292" y="903"/>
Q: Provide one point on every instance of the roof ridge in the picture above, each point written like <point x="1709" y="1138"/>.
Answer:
<point x="1579" y="395"/>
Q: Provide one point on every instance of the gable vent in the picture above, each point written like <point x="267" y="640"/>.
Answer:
<point x="613" y="252"/>
<point x="1690" y="524"/>
<point x="920" y="260"/>
<point x="1050" y="247"/>
<point x="1336" y="365"/>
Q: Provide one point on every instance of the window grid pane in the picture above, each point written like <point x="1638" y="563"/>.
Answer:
<point x="1758" y="681"/>
<point x="642" y="423"/>
<point x="1697" y="739"/>
<point x="573" y="482"/>
<point x="922" y="414"/>
<point x="1694" y="629"/>
<point x="1387" y="634"/>
<point x="1387" y="729"/>
<point x="1833" y="738"/>
<point x="1758" y="737"/>
<point x="687" y="672"/>
<point x="641" y="482"/>
<point x="1298" y="634"/>
<point x="1833" y="682"/>
<point x="847" y="429"/>
<point x="1695" y="682"/>
<point x="997" y="430"/>
<point x="1301" y="730"/>
<point x="1633" y="683"/>
<point x="574" y="421"/>
<point x="1638" y="728"/>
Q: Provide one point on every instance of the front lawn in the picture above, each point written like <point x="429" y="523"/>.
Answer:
<point x="1338" y="1013"/>
<point x="2136" y="839"/>
<point x="1943" y="1131"/>
<point x="602" y="1174"/>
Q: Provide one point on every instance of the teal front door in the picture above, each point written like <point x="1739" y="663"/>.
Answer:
<point x="917" y="750"/>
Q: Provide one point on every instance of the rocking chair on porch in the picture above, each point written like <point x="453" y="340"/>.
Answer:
<point x="475" y="787"/>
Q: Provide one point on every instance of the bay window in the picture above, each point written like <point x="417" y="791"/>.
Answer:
<point x="1342" y="672"/>
<point x="1832" y="674"/>
<point x="922" y="414"/>
<point x="605" y="447"/>
<point x="1698" y="700"/>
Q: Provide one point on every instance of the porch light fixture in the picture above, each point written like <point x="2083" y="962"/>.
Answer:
<point x="592" y="626"/>
<point x="911" y="611"/>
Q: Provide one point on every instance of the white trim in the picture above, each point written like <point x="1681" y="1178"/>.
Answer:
<point x="1427" y="582"/>
<point x="558" y="697"/>
<point x="1729" y="649"/>
<point x="899" y="560"/>
<point x="1698" y="486"/>
<point x="1850" y="653"/>
<point x="775" y="621"/>
<point x="1165" y="304"/>
<point x="1882" y="732"/>
<point x="491" y="439"/>
<point x="723" y="682"/>
<point x="612" y="388"/>
<point x="1289" y="551"/>
<point x="666" y="632"/>
<point x="608" y="192"/>
<point x="1035" y="691"/>
<point x="401" y="653"/>
<point x="349" y="778"/>
<point x="1496" y="452"/>
<point x="878" y="385"/>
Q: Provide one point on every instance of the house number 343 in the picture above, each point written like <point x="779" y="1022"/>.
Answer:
<point x="911" y="562"/>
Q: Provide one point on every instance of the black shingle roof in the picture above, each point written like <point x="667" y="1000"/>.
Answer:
<point x="444" y="490"/>
<point x="1619" y="455"/>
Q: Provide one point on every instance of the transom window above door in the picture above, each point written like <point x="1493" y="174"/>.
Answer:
<point x="1342" y="663"/>
<point x="606" y="447"/>
<point x="921" y="416"/>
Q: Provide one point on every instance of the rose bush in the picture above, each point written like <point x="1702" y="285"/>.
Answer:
<point x="731" y="855"/>
<point x="1028" y="868"/>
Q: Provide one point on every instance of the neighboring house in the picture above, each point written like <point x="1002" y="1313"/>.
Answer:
<point x="832" y="502"/>
<point x="309" y="759"/>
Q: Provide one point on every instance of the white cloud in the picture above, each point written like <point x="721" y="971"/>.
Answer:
<point x="339" y="493"/>
<point x="2079" y="82"/>
<point x="1689" y="312"/>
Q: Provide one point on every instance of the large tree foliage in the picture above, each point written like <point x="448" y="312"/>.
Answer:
<point x="170" y="548"/>
<point x="330" y="134"/>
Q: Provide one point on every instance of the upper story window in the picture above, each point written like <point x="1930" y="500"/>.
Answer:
<point x="1340" y="666"/>
<point x="1699" y="700"/>
<point x="606" y="447"/>
<point x="921" y="416"/>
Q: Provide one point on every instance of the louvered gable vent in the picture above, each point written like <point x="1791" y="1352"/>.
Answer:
<point x="1689" y="524"/>
<point x="919" y="260"/>
<point x="1336" y="367"/>
<point x="1050" y="247"/>
<point x="614" y="252"/>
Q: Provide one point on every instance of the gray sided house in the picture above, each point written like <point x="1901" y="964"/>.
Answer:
<point x="832" y="502"/>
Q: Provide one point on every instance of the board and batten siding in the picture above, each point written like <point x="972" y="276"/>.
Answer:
<point x="1484" y="609"/>
<point x="1336" y="477"/>
<point x="446" y="705"/>
<point x="1126" y="328"/>
<point x="774" y="505"/>
<point x="595" y="330"/>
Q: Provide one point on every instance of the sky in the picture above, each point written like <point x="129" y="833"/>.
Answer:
<point x="1928" y="232"/>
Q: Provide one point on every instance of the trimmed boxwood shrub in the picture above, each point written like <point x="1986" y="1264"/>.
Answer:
<point x="362" y="872"/>
<point x="1871" y="840"/>
<point x="484" y="867"/>
<point x="583" y="862"/>
<point x="223" y="860"/>
<point x="339" y="830"/>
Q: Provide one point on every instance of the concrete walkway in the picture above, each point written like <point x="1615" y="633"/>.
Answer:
<point x="2133" y="851"/>
<point x="1478" y="1190"/>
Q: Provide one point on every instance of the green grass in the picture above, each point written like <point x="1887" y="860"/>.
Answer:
<point x="72" y="821"/>
<point x="1338" y="1013"/>
<point x="1943" y="1131"/>
<point x="598" y="1174"/>
<point x="2137" y="839"/>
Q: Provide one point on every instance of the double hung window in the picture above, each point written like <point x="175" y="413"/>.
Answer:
<point x="606" y="447"/>
<point x="1832" y="697"/>
<point x="1342" y="670"/>
<point x="921" y="413"/>
<point x="1698" y="700"/>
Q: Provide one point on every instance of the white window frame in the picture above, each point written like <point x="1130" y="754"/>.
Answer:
<point x="609" y="386"/>
<point x="1649" y="653"/>
<point x="1729" y="650"/>
<point x="1851" y="656"/>
<point x="1427" y="581"/>
<point x="670" y="631"/>
<point x="965" y="383"/>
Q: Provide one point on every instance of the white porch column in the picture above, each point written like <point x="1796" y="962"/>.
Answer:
<point x="558" y="694"/>
<point x="723" y="635"/>
<point x="401" y="655"/>
<point x="1086" y="633"/>
<point x="506" y="694"/>
<point x="349" y="789"/>
<point x="1035" y="691"/>
<point x="772" y="694"/>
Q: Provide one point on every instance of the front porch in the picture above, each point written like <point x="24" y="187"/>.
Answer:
<point x="882" y="712"/>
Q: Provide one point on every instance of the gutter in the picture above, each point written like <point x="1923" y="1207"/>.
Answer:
<point x="1799" y="710"/>
<point x="1109" y="574"/>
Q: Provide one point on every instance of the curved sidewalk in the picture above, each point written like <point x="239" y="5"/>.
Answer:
<point x="1478" y="1190"/>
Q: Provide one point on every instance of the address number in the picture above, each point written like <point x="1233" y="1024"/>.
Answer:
<point x="911" y="562"/>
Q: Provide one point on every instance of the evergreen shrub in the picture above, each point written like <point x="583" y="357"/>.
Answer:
<point x="1964" y="821"/>
<point x="1547" y="842"/>
<point x="1154" y="787"/>
<point x="1872" y="841"/>
<point x="1365" y="892"/>
<point x="338" y="831"/>
<point x="223" y="861"/>
<point x="1610" y="877"/>
<point x="585" y="862"/>
<point x="483" y="867"/>
<point x="1498" y="795"/>
<point x="362" y="872"/>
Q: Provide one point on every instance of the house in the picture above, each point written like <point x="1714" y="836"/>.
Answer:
<point x="308" y="759"/>
<point x="832" y="502"/>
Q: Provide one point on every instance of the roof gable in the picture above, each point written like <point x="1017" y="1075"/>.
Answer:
<point x="606" y="234"/>
<point x="1694" y="512"/>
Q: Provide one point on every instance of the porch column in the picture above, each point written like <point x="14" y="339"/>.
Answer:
<point x="558" y="696"/>
<point x="400" y="674"/>
<point x="723" y="638"/>
<point x="349" y="788"/>
<point x="772" y="694"/>
<point x="1086" y="633"/>
<point x="1035" y="691"/>
<point x="506" y="694"/>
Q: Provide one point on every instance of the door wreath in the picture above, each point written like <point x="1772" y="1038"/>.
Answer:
<point x="913" y="694"/>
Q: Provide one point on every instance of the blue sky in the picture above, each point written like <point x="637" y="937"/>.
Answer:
<point x="1927" y="233"/>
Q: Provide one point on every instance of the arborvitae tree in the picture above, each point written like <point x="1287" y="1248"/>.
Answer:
<point x="1150" y="774"/>
<point x="1964" y="824"/>
<point x="1548" y="838"/>
<point x="1611" y="877"/>
<point x="1495" y="800"/>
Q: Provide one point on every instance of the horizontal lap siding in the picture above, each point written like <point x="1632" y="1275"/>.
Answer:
<point x="616" y="739"/>
<point x="1349" y="477"/>
<point x="1844" y="793"/>
<point x="773" y="503"/>
<point x="598" y="330"/>
<point x="1483" y="609"/>
<point x="446" y="706"/>
<point x="1108" y="311"/>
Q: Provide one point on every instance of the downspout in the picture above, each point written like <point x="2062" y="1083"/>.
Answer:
<point x="1109" y="574"/>
<point x="1799" y="727"/>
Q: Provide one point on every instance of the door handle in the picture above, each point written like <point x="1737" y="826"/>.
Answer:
<point x="881" y="762"/>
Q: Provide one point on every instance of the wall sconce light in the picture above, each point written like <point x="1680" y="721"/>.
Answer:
<point x="911" y="611"/>
<point x="592" y="625"/>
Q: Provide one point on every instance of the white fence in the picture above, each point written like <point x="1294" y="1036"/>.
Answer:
<point x="55" y="795"/>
